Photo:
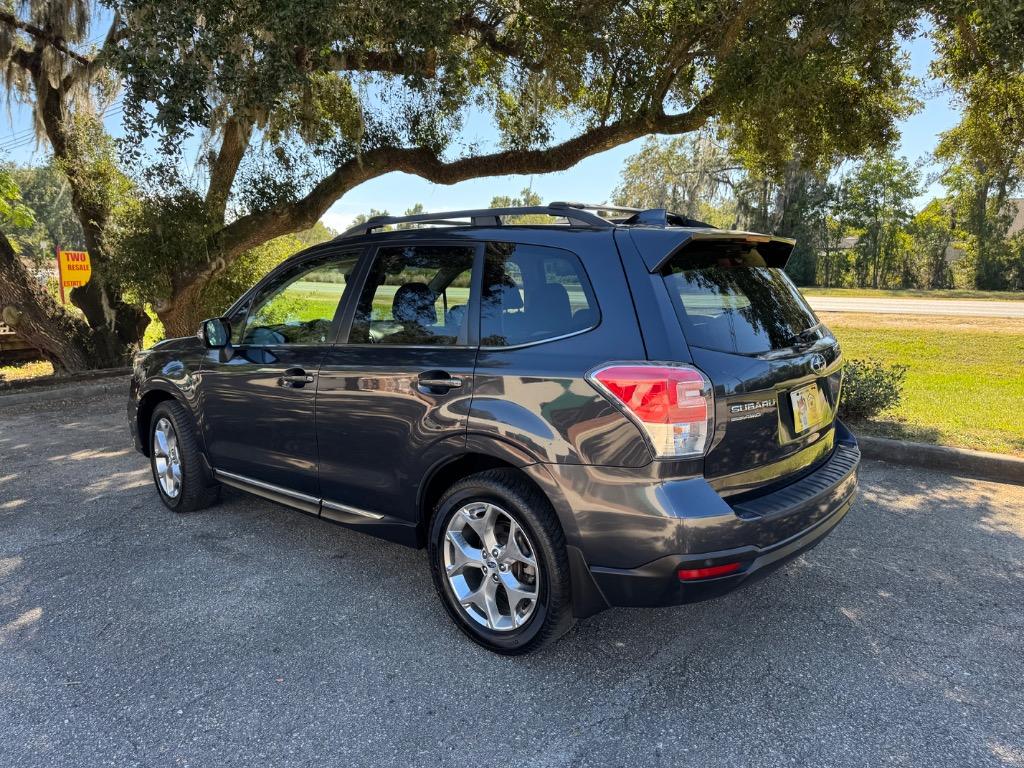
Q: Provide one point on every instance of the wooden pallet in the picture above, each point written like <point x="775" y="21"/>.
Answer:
<point x="14" y="349"/>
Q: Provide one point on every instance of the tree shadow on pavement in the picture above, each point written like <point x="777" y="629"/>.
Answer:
<point x="251" y="633"/>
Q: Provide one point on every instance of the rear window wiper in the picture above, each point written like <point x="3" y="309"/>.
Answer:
<point x="803" y="337"/>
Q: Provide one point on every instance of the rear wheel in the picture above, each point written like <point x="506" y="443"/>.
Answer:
<point x="180" y="475"/>
<point x="498" y="558"/>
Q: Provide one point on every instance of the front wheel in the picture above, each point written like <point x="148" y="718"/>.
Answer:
<point x="497" y="554"/>
<point x="180" y="475"/>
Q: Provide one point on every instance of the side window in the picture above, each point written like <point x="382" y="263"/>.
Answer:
<point x="415" y="295"/>
<point x="532" y="293"/>
<point x="299" y="306"/>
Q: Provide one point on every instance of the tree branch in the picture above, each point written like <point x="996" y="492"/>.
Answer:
<point x="487" y="34"/>
<point x="248" y="231"/>
<point x="40" y="34"/>
<point x="378" y="61"/>
<point x="237" y="132"/>
<point x="398" y="64"/>
<point x="63" y="338"/>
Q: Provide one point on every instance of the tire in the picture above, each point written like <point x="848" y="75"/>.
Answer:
<point x="195" y="488"/>
<point x="510" y="629"/>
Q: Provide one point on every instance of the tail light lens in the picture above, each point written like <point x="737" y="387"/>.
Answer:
<point x="673" y="404"/>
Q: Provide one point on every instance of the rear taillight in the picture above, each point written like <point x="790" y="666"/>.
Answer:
<point x="673" y="404"/>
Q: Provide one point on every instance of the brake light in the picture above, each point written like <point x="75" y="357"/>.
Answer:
<point x="693" y="574"/>
<point x="672" y="403"/>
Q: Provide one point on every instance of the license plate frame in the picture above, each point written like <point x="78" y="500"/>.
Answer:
<point x="810" y="409"/>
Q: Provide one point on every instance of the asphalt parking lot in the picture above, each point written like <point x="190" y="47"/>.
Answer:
<point x="252" y="635"/>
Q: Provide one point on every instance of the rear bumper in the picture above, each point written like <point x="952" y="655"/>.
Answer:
<point x="657" y="583"/>
<point x="685" y="524"/>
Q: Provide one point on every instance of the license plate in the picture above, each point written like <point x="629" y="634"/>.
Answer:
<point x="809" y="407"/>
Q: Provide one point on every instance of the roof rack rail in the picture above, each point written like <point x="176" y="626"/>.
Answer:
<point x="596" y="207"/>
<point x="660" y="217"/>
<point x="480" y="217"/>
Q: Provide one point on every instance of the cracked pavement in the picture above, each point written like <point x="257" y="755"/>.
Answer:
<point x="249" y="635"/>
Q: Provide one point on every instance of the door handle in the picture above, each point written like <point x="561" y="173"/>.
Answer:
<point x="450" y="382"/>
<point x="294" y="377"/>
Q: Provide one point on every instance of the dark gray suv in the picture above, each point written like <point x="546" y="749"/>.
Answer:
<point x="571" y="407"/>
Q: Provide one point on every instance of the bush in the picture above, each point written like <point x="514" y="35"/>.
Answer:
<point x="870" y="387"/>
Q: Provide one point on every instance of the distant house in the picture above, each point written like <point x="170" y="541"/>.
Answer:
<point x="1016" y="206"/>
<point x="848" y="243"/>
<point x="1017" y="225"/>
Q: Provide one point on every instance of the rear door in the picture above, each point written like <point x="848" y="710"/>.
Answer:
<point x="550" y="312"/>
<point x="775" y="367"/>
<point x="394" y="394"/>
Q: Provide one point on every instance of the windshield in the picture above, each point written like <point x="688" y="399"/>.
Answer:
<point x="728" y="299"/>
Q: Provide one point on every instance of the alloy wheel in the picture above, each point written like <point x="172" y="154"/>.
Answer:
<point x="491" y="566"/>
<point x="167" y="458"/>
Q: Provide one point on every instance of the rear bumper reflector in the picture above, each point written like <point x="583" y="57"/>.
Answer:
<point x="694" y="574"/>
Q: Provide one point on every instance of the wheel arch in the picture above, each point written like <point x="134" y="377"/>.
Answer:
<point x="148" y="402"/>
<point x="587" y="596"/>
<point x="445" y="474"/>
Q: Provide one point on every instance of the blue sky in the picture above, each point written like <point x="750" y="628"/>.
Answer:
<point x="592" y="180"/>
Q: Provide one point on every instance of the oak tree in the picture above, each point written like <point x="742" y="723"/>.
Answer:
<point x="301" y="102"/>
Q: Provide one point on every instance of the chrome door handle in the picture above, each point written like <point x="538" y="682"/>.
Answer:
<point x="295" y="379"/>
<point x="449" y="383"/>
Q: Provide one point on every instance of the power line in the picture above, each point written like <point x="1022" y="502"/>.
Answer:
<point x="27" y="136"/>
<point x="29" y="133"/>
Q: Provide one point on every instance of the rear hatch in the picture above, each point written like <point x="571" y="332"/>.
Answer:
<point x="776" y="369"/>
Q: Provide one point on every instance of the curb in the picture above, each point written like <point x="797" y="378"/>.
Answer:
<point x="997" y="467"/>
<point x="66" y="389"/>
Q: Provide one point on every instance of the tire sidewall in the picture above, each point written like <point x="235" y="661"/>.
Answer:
<point x="501" y="642"/>
<point x="161" y="412"/>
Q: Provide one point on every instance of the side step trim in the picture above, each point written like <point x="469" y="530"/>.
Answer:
<point x="345" y="509"/>
<point x="302" y="501"/>
<point x="332" y="510"/>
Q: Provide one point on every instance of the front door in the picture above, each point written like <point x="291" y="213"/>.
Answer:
<point x="394" y="399"/>
<point x="258" y="398"/>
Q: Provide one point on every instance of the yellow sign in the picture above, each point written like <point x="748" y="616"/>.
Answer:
<point x="73" y="270"/>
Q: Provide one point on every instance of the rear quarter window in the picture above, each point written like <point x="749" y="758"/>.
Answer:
<point x="532" y="294"/>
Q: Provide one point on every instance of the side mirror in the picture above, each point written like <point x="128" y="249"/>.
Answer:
<point x="215" y="333"/>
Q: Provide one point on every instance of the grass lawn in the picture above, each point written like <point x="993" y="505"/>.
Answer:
<point x="21" y="371"/>
<point x="965" y="377"/>
<point x="913" y="293"/>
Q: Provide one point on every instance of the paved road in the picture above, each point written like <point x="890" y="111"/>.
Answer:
<point x="948" y="307"/>
<point x="251" y="635"/>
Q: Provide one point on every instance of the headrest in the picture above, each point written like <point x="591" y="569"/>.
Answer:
<point x="414" y="303"/>
<point x="505" y="296"/>
<point x="456" y="315"/>
<point x="555" y="300"/>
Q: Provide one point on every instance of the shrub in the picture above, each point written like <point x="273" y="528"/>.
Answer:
<point x="870" y="387"/>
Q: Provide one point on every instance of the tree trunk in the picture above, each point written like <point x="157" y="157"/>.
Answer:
<point x="980" y="227"/>
<point x="63" y="339"/>
<point x="183" y="315"/>
<point x="117" y="327"/>
<point x="876" y="251"/>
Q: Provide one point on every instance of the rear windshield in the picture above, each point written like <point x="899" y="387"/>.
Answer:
<point x="728" y="299"/>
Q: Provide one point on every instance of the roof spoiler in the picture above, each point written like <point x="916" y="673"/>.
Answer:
<point x="657" y="246"/>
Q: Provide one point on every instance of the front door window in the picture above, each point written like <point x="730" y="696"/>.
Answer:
<point x="299" y="307"/>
